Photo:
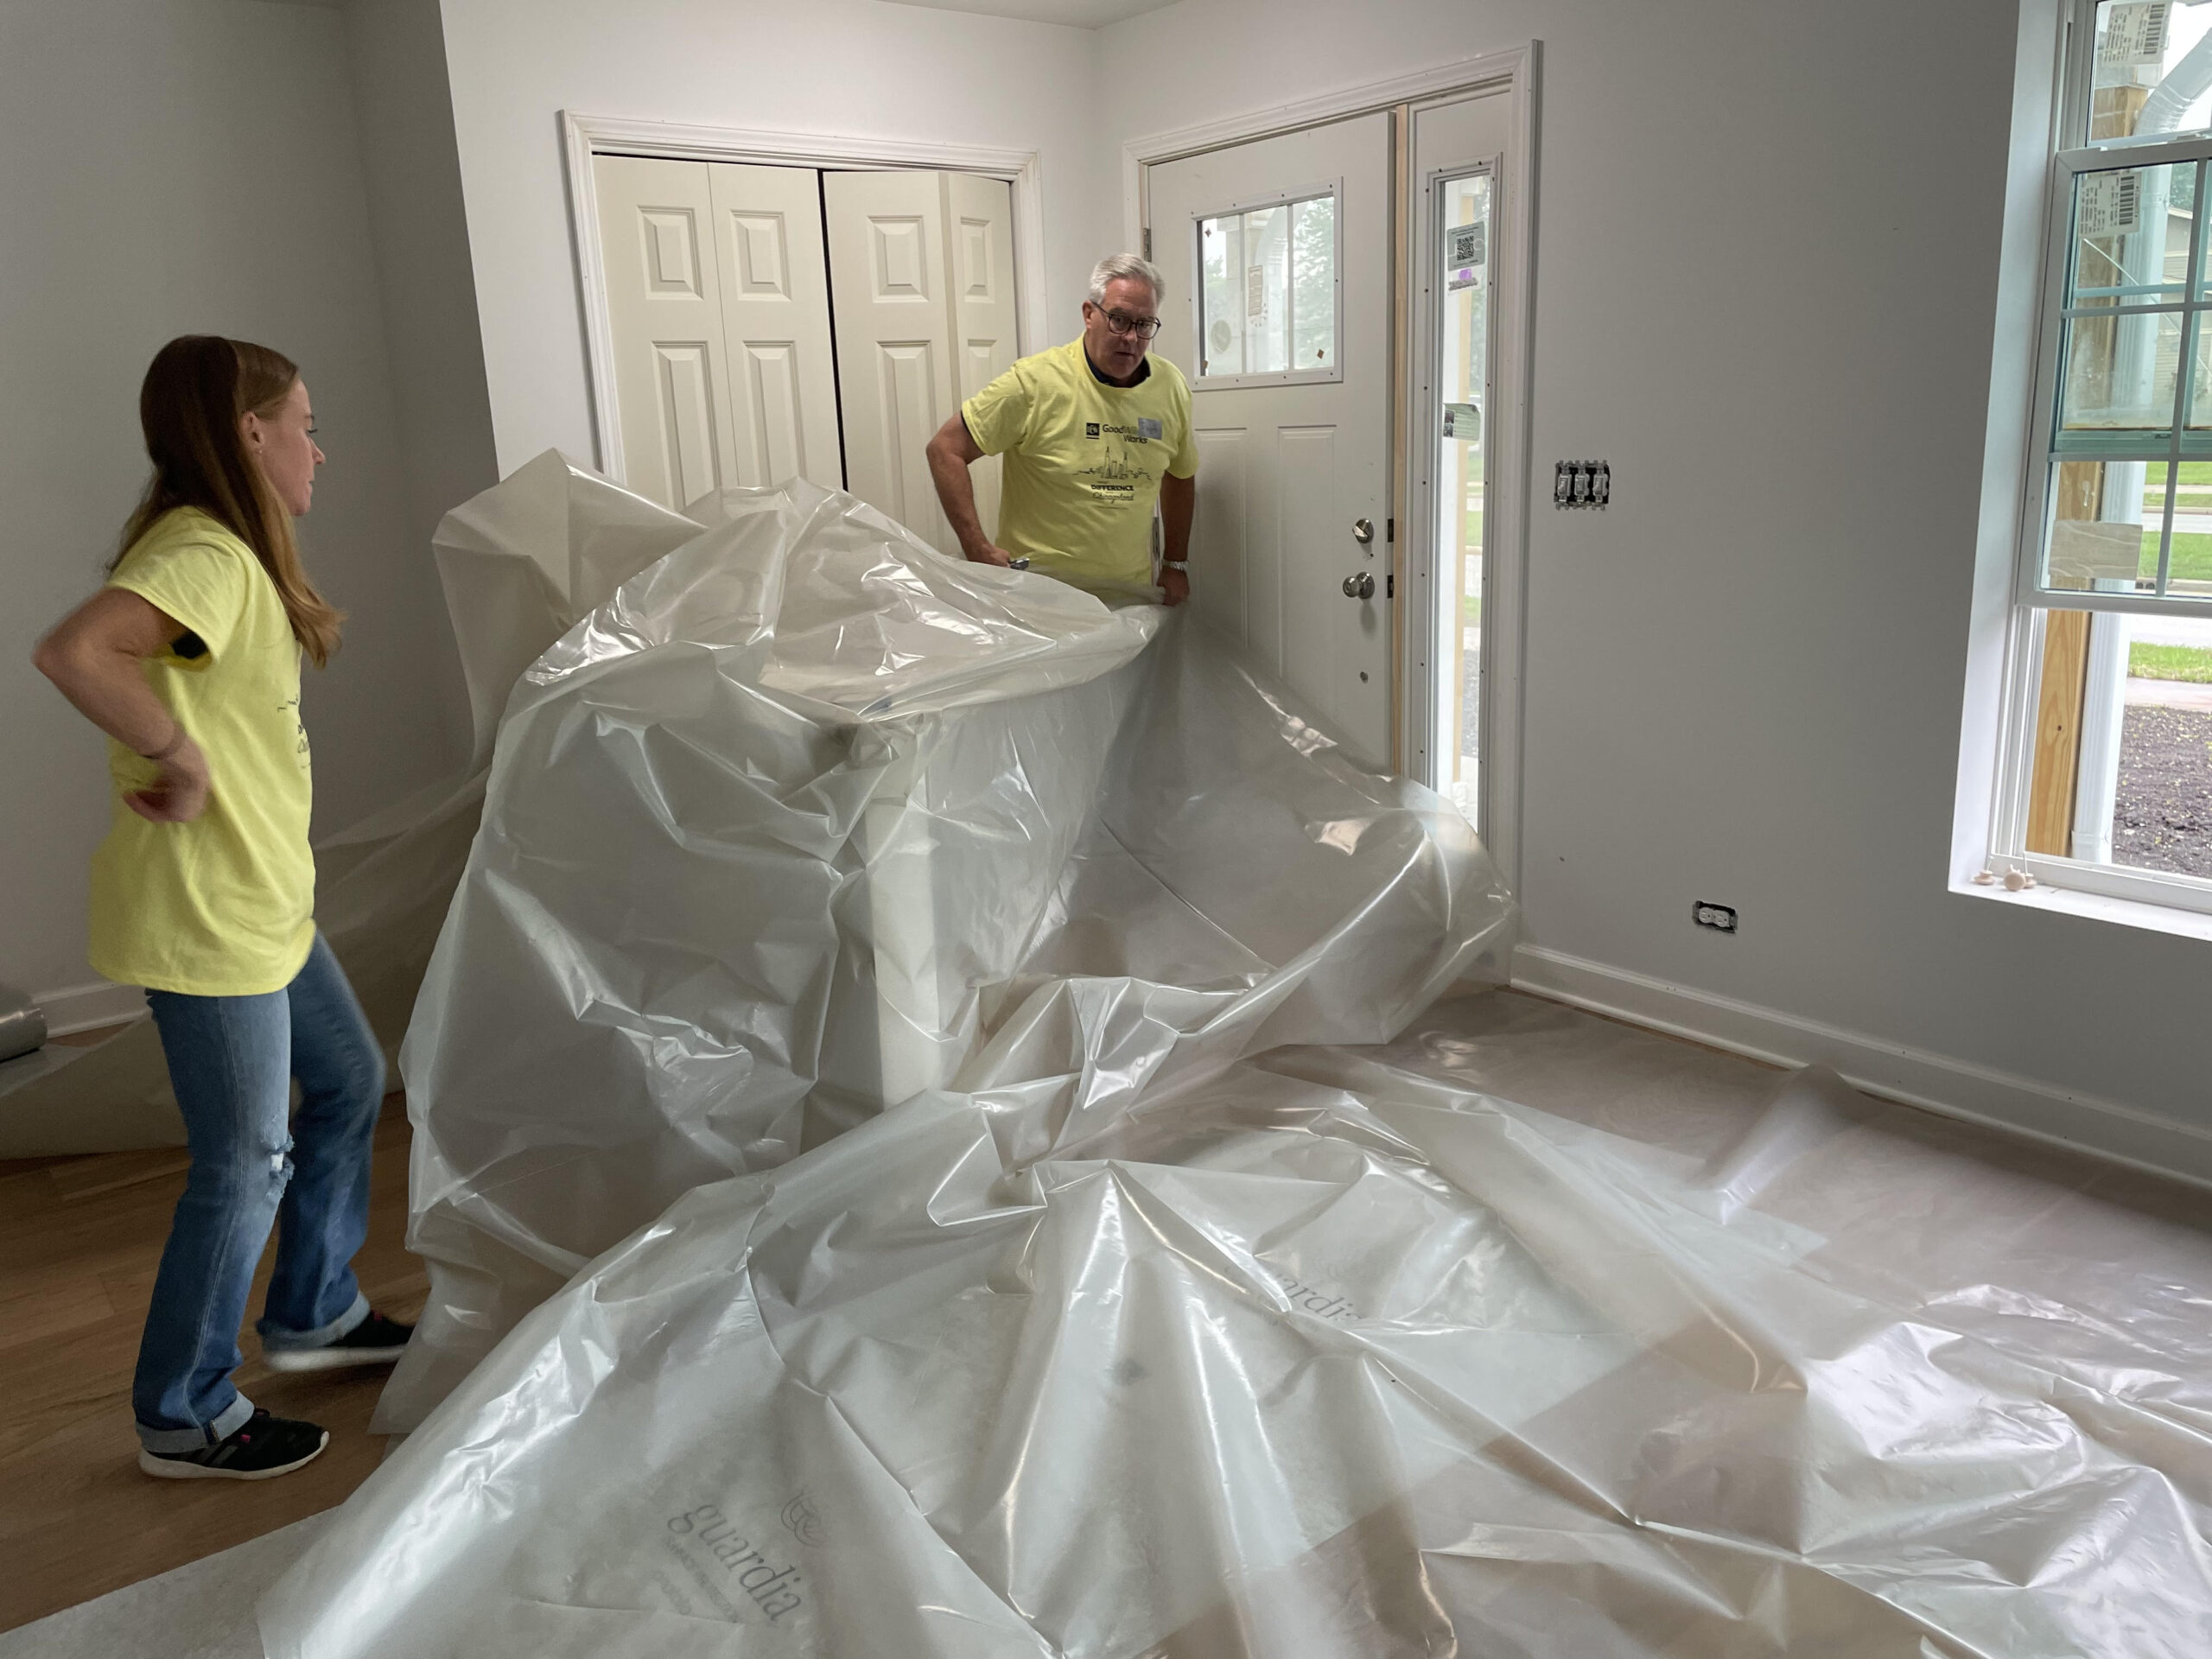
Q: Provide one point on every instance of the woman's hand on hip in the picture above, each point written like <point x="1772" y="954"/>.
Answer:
<point x="180" y="794"/>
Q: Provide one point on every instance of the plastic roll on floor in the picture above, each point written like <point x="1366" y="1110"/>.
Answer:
<point x="22" y="1025"/>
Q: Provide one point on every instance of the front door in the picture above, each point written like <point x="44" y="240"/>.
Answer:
<point x="1276" y="255"/>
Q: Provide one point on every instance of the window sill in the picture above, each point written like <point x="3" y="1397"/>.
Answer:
<point x="2072" y="901"/>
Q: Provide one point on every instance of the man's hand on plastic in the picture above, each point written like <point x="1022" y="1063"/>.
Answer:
<point x="180" y="794"/>
<point x="987" y="553"/>
<point x="1174" y="586"/>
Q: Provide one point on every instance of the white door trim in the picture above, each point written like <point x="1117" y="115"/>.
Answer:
<point x="584" y="136"/>
<point x="1509" y="72"/>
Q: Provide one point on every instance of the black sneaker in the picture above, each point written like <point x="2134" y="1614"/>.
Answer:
<point x="262" y="1446"/>
<point x="375" y="1341"/>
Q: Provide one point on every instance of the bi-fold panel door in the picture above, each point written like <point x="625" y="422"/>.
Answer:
<point x="740" y="315"/>
<point x="718" y="295"/>
<point x="922" y="270"/>
<point x="776" y="323"/>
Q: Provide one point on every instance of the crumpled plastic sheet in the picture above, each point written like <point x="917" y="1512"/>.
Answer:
<point x="1328" y="1354"/>
<point x="519" y="566"/>
<point x="1331" y="1356"/>
<point x="1145" y="1333"/>
<point x="777" y="833"/>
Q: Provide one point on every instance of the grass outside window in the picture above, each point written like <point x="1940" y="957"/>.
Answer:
<point x="2146" y="661"/>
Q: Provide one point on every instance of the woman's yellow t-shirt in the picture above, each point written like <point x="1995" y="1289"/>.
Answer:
<point x="223" y="905"/>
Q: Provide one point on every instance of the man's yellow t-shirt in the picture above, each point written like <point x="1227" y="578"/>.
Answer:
<point x="223" y="905"/>
<point x="1083" y="461"/>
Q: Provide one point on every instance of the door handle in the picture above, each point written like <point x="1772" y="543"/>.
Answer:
<point x="1359" y="587"/>
<point x="1362" y="530"/>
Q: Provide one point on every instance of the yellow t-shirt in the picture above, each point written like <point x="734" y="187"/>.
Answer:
<point x="223" y="905"/>
<point x="1083" y="463"/>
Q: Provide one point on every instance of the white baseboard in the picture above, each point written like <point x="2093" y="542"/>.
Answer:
<point x="88" y="1008"/>
<point x="1937" y="1083"/>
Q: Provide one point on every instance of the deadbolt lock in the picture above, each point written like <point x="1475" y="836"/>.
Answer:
<point x="1362" y="530"/>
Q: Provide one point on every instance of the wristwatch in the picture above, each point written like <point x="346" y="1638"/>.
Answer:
<point x="1175" y="564"/>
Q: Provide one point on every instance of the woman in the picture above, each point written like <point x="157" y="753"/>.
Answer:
<point x="204" y="892"/>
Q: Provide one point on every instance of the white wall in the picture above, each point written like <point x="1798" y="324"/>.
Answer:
<point x="1767" y="256"/>
<point x="171" y="167"/>
<point x="841" y="67"/>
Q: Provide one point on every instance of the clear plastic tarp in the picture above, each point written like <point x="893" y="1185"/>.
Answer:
<point x="778" y="834"/>
<point x="1338" y="1355"/>
<point x="1159" y="1319"/>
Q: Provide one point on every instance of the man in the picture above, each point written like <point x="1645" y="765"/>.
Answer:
<point x="1095" y="432"/>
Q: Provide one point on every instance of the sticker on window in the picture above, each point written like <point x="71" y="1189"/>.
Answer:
<point x="2109" y="204"/>
<point x="2135" y="34"/>
<point x="1465" y="248"/>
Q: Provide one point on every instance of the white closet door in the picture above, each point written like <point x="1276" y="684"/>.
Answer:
<point x="775" y="304"/>
<point x="979" y="235"/>
<point x="664" y="290"/>
<point x="894" y="340"/>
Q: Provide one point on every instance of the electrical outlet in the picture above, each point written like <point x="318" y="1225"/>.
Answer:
<point x="1719" y="918"/>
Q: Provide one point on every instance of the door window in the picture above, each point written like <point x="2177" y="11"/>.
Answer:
<point x="1462" y="381"/>
<point x="1267" y="291"/>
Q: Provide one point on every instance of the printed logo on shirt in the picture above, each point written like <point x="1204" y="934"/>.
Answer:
<point x="1113" y="480"/>
<point x="1143" y="432"/>
<point x="291" y="706"/>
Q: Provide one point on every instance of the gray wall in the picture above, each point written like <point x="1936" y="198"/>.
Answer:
<point x="396" y="53"/>
<point x="1768" y="248"/>
<point x="171" y="167"/>
<point x="1767" y="284"/>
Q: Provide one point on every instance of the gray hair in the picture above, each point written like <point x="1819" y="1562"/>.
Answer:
<point x="1116" y="265"/>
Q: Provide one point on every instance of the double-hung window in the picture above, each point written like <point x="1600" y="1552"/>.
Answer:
<point x="2107" y="778"/>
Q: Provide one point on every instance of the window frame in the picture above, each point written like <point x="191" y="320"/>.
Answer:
<point x="2044" y="451"/>
<point x="2030" y="601"/>
<point x="1426" y="610"/>
<point x="1334" y="190"/>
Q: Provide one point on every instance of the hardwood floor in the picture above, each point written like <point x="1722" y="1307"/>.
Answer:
<point x="79" y="1239"/>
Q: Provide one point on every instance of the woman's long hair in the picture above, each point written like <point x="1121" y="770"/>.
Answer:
<point x="196" y="391"/>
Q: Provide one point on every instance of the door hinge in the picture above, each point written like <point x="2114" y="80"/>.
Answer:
<point x="1390" y="586"/>
<point x="1389" y="530"/>
<point x="1147" y="241"/>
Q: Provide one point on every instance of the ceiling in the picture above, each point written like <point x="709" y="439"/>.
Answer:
<point x="1079" y="14"/>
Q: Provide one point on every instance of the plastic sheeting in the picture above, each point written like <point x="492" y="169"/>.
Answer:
<point x="776" y="835"/>
<point x="520" y="565"/>
<point x="1333" y="1355"/>
<point x="1330" y="1354"/>
<point x="1142" y="1333"/>
<point x="22" y="1025"/>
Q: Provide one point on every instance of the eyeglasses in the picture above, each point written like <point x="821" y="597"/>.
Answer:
<point x="1122" y="323"/>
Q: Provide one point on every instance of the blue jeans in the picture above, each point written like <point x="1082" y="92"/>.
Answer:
<point x="231" y="1061"/>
